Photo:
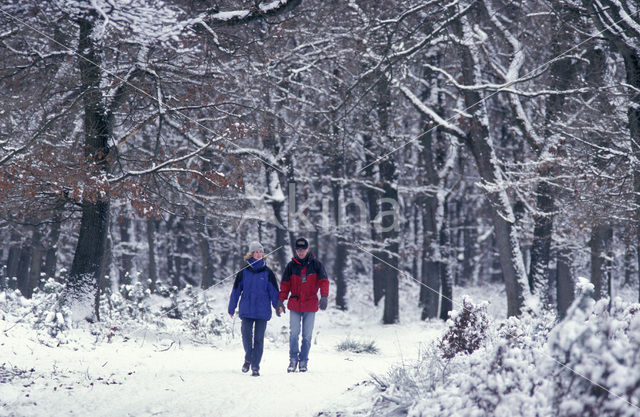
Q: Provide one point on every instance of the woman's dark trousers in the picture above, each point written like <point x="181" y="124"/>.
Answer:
<point x="253" y="340"/>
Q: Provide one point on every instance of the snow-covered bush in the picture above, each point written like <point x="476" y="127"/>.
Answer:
<point x="501" y="380"/>
<point x="130" y="303"/>
<point x="198" y="314"/>
<point x="467" y="329"/>
<point x="51" y="316"/>
<point x="409" y="381"/>
<point x="594" y="358"/>
<point x="587" y="365"/>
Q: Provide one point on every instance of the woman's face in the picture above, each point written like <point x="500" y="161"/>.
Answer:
<point x="257" y="255"/>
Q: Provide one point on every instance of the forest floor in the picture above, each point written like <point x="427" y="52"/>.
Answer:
<point x="138" y="368"/>
<point x="142" y="372"/>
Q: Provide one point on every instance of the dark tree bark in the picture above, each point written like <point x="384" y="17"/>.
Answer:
<point x="151" y="244"/>
<point x="565" y="287"/>
<point x="480" y="144"/>
<point x="35" y="269"/>
<point x="470" y="250"/>
<point x="601" y="236"/>
<point x="180" y="256"/>
<point x="22" y="273"/>
<point x="90" y="248"/>
<point x="281" y="235"/>
<point x="371" y="196"/>
<point x="628" y="266"/>
<point x="627" y="41"/>
<point x="126" y="258"/>
<point x="13" y="260"/>
<point x="430" y="288"/>
<point x="341" y="249"/>
<point x="415" y="263"/>
<point x="561" y="76"/>
<point x="446" y="284"/>
<point x="389" y="223"/>
<point x="390" y="238"/>
<point x="51" y="258"/>
<point x="205" y="257"/>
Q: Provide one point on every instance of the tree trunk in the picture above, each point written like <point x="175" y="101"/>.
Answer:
<point x="446" y="285"/>
<point x="415" y="263"/>
<point x="628" y="266"/>
<point x="22" y="273"/>
<point x="341" y="249"/>
<point x="371" y="197"/>
<point x="431" y="270"/>
<point x="561" y="76"/>
<point x="205" y="256"/>
<point x="565" y="287"/>
<point x="90" y="248"/>
<point x="541" y="244"/>
<point x="601" y="236"/>
<point x="180" y="256"/>
<point x="390" y="238"/>
<point x="51" y="258"/>
<point x="151" y="244"/>
<point x="282" y="237"/>
<point x="13" y="260"/>
<point x="388" y="222"/>
<point x="470" y="242"/>
<point x="430" y="288"/>
<point x="35" y="269"/>
<point x="126" y="257"/>
<point x="629" y="48"/>
<point x="480" y="143"/>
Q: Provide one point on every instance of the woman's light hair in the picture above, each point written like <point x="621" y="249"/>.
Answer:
<point x="250" y="254"/>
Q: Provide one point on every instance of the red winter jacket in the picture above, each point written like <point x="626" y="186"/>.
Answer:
<point x="303" y="278"/>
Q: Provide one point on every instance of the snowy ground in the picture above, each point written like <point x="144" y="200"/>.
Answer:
<point x="138" y="373"/>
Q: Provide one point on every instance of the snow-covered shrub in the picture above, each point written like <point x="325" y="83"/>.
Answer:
<point x="594" y="358"/>
<point x="137" y="300"/>
<point x="501" y="381"/>
<point x="51" y="316"/>
<point x="357" y="346"/>
<point x="173" y="310"/>
<point x="4" y="280"/>
<point x="197" y="314"/>
<point x="466" y="329"/>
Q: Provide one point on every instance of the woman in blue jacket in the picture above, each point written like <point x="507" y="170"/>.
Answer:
<point x="257" y="289"/>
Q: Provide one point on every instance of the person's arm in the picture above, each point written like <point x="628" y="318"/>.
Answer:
<point x="235" y="294"/>
<point x="274" y="292"/>
<point x="323" y="280"/>
<point x="285" y="284"/>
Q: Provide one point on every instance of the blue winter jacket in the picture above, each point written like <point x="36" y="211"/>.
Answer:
<point x="257" y="288"/>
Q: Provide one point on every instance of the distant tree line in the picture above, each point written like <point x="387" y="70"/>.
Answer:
<point x="454" y="144"/>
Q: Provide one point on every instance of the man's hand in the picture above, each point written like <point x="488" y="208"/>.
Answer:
<point x="280" y="309"/>
<point x="230" y="315"/>
<point x="322" y="304"/>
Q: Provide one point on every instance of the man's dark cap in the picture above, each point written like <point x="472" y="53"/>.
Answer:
<point x="302" y="243"/>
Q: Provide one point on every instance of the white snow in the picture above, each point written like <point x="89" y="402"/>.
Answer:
<point x="139" y="372"/>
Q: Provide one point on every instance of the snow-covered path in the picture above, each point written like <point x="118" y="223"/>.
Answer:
<point x="156" y="376"/>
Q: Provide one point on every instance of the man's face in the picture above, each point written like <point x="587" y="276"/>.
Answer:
<point x="302" y="252"/>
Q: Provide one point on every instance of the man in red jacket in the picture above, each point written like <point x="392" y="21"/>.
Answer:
<point x="303" y="276"/>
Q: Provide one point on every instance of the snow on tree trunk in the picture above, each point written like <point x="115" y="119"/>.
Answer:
<point x="480" y="143"/>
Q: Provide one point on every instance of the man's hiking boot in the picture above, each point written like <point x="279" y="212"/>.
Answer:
<point x="245" y="367"/>
<point x="293" y="364"/>
<point x="255" y="372"/>
<point x="303" y="366"/>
